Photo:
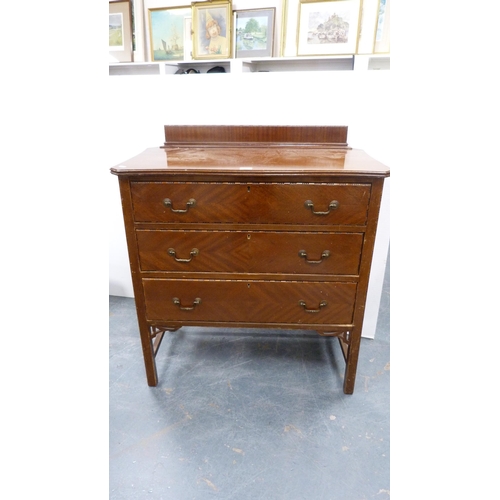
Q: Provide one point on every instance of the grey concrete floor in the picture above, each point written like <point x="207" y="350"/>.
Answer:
<point x="247" y="414"/>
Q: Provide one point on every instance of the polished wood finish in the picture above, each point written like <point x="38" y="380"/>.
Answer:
<point x="248" y="202"/>
<point x="249" y="252"/>
<point x="275" y="303"/>
<point x="265" y="227"/>
<point x="249" y="136"/>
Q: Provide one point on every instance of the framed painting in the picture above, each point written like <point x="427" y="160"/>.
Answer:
<point x="254" y="33"/>
<point x="167" y="33"/>
<point x="211" y="30"/>
<point x="382" y="36"/>
<point x="328" y="27"/>
<point x="120" y="32"/>
<point x="188" y="40"/>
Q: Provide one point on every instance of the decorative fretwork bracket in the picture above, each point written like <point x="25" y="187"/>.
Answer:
<point x="157" y="330"/>
<point x="344" y="335"/>
<point x="156" y="333"/>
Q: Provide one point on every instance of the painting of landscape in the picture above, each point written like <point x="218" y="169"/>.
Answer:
<point x="116" y="31"/>
<point x="327" y="28"/>
<point x="254" y="33"/>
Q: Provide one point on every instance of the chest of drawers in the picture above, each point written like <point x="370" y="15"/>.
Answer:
<point x="251" y="227"/>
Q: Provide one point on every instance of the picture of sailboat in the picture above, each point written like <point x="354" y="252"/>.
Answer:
<point x="167" y="33"/>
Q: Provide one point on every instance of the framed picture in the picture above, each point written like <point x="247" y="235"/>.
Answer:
<point x="211" y="30"/>
<point x="254" y="33"/>
<point x="188" y="39"/>
<point x="120" y="32"/>
<point x="167" y="34"/>
<point x="382" y="36"/>
<point x="328" y="27"/>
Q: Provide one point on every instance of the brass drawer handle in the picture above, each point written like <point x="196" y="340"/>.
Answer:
<point x="177" y="302"/>
<point x="334" y="204"/>
<point x="302" y="303"/>
<point x="168" y="203"/>
<point x="194" y="252"/>
<point x="324" y="255"/>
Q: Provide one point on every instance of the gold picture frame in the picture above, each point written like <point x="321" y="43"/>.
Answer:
<point x="212" y="26"/>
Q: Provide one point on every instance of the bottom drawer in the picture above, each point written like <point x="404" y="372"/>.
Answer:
<point x="204" y="301"/>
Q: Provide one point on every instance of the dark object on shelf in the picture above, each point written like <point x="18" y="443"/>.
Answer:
<point x="189" y="71"/>
<point x="216" y="69"/>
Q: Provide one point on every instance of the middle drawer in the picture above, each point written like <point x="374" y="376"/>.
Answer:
<point x="249" y="251"/>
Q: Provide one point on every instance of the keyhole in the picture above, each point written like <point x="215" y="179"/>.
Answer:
<point x="248" y="189"/>
<point x="248" y="236"/>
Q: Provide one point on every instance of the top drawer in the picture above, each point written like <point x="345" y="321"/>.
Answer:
<point x="254" y="203"/>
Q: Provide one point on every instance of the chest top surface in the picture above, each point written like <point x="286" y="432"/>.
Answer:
<point x="255" y="159"/>
<point x="259" y="150"/>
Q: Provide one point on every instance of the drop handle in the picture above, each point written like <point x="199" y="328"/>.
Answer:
<point x="302" y="303"/>
<point x="177" y="302"/>
<point x="334" y="204"/>
<point x="194" y="252"/>
<point x="168" y="203"/>
<point x="324" y="255"/>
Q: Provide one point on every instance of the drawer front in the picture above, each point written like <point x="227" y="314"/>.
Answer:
<point x="265" y="203"/>
<point x="249" y="251"/>
<point x="278" y="302"/>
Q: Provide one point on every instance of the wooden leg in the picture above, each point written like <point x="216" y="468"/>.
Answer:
<point x="148" y="353"/>
<point x="351" y="354"/>
<point x="349" y="343"/>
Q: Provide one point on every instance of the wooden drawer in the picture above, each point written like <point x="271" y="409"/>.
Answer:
<point x="251" y="203"/>
<point x="271" y="302"/>
<point x="249" y="251"/>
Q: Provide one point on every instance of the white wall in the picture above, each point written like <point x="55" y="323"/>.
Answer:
<point x="141" y="105"/>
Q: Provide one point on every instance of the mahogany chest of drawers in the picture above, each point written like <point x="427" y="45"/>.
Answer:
<point x="245" y="226"/>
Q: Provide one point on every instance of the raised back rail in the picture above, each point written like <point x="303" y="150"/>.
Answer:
<point x="255" y="136"/>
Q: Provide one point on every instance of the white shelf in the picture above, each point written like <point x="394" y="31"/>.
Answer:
<point x="271" y="64"/>
<point x="143" y="68"/>
<point x="332" y="63"/>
